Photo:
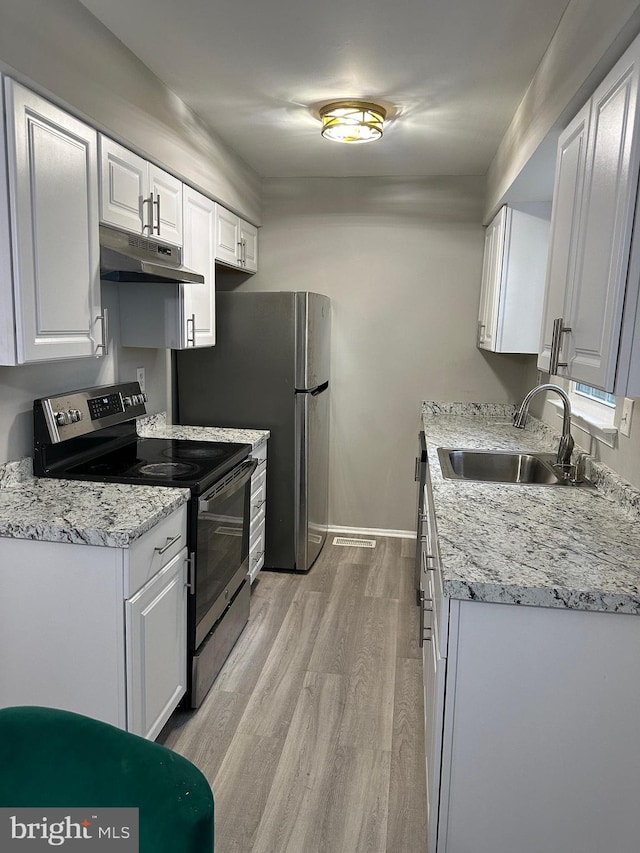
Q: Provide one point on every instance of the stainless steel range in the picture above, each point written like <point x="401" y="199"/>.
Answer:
<point x="91" y="435"/>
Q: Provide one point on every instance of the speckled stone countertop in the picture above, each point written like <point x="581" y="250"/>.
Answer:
<point x="565" y="547"/>
<point x="155" y="426"/>
<point x="84" y="513"/>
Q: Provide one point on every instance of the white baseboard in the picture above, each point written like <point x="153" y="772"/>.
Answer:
<point x="371" y="531"/>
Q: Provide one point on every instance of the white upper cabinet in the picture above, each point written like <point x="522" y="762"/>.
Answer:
<point x="50" y="288"/>
<point x="165" y="315"/>
<point x="137" y="196"/>
<point x="589" y="290"/>
<point x="513" y="278"/>
<point x="236" y="241"/>
<point x="567" y="200"/>
<point x="199" y="255"/>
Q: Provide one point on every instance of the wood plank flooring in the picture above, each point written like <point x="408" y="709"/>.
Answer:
<point x="312" y="736"/>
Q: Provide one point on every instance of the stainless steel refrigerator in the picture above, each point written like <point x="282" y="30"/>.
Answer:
<point x="269" y="370"/>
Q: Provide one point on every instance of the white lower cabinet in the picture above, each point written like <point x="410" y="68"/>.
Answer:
<point x="531" y="721"/>
<point x="257" y="511"/>
<point x="540" y="747"/>
<point x="96" y="630"/>
<point x="156" y="653"/>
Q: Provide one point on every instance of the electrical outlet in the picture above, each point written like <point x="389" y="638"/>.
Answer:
<point x="140" y="378"/>
<point x="625" y="420"/>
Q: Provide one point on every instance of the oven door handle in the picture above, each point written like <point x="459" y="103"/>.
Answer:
<point x="244" y="473"/>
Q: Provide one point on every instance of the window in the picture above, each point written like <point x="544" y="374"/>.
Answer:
<point x="593" y="412"/>
<point x="596" y="394"/>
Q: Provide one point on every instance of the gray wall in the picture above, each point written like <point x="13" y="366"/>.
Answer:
<point x="590" y="38"/>
<point x="19" y="386"/>
<point x="59" y="46"/>
<point x="61" y="49"/>
<point x="401" y="260"/>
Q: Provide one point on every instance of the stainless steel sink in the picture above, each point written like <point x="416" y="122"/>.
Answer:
<point x="495" y="466"/>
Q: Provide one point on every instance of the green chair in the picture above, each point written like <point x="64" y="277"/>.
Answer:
<point x="59" y="759"/>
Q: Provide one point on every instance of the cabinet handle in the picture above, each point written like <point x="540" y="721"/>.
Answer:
<point x="191" y="563"/>
<point x="423" y="628"/>
<point x="170" y="541"/>
<point x="416" y="475"/>
<point x="481" y="327"/>
<point x="240" y="252"/>
<point x="244" y="252"/>
<point x="156" y="228"/>
<point x="104" y="320"/>
<point x="556" y="341"/>
<point x="425" y="566"/>
<point x="191" y="339"/>
<point x="148" y="225"/>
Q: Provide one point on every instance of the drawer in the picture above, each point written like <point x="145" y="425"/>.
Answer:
<point x="256" y="558"/>
<point x="256" y="530"/>
<point x="154" y="549"/>
<point x="258" y="483"/>
<point x="258" y="498"/>
<point x="256" y="524"/>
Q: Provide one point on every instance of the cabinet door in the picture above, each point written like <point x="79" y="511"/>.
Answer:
<point x="166" y="201"/>
<point x="227" y="236"/>
<point x="491" y="280"/>
<point x="123" y="188"/>
<point x="611" y="185"/>
<point x="199" y="255"/>
<point x="249" y="246"/>
<point x="157" y="648"/>
<point x="53" y="184"/>
<point x="565" y="221"/>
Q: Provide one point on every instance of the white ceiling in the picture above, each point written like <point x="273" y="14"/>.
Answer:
<point x="452" y="71"/>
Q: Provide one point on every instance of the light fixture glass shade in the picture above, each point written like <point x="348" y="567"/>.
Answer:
<point x="352" y="121"/>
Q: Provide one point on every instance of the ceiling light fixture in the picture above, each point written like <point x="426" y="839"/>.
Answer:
<point x="352" y="121"/>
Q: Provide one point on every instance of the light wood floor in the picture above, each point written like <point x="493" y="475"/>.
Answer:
<point x="312" y="736"/>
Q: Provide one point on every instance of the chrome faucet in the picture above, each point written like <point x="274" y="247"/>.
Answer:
<point x="565" y="448"/>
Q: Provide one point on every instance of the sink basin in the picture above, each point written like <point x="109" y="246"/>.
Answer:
<point x="495" y="466"/>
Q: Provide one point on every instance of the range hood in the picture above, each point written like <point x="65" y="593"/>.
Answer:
<point x="129" y="257"/>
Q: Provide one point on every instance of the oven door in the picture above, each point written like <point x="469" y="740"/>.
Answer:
<point x="222" y="546"/>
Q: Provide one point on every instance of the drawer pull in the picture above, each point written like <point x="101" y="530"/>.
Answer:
<point x="425" y="566"/>
<point x="170" y="541"/>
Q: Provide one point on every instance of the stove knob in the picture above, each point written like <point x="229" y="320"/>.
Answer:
<point x="75" y="415"/>
<point x="62" y="418"/>
<point x="128" y="401"/>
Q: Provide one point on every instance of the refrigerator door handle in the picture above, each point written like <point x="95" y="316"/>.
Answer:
<point x="313" y="391"/>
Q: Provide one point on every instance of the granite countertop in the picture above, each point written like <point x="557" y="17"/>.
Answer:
<point x="85" y="513"/>
<point x="155" y="426"/>
<point x="566" y="547"/>
<point x="108" y="514"/>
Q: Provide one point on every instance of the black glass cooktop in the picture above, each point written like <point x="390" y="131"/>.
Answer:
<point x="161" y="462"/>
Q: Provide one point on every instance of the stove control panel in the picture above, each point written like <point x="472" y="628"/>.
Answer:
<point x="80" y="412"/>
<point x="100" y="407"/>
